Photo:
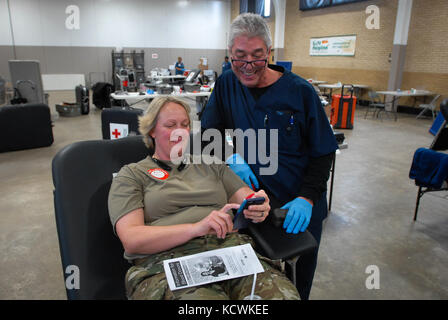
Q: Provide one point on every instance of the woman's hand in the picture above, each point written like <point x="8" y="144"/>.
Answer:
<point x="218" y="222"/>
<point x="258" y="212"/>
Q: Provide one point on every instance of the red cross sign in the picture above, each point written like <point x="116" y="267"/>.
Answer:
<point x="118" y="130"/>
<point x="116" y="133"/>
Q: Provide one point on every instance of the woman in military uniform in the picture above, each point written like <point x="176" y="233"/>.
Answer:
<point x="162" y="210"/>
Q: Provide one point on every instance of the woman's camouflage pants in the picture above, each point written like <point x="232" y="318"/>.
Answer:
<point x="146" y="279"/>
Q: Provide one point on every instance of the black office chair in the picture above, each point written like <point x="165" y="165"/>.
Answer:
<point x="440" y="143"/>
<point x="82" y="175"/>
<point x="25" y="126"/>
<point x="126" y="116"/>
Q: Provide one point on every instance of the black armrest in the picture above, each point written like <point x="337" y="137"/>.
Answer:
<point x="274" y="243"/>
<point x="444" y="108"/>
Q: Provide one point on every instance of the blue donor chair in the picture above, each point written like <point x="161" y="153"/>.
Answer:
<point x="429" y="167"/>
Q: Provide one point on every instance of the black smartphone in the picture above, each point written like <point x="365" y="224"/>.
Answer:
<point x="252" y="201"/>
<point x="239" y="220"/>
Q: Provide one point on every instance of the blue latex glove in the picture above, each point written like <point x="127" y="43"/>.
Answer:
<point x="298" y="216"/>
<point x="242" y="169"/>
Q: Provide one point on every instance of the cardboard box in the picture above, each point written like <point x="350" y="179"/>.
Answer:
<point x="202" y="67"/>
<point x="203" y="64"/>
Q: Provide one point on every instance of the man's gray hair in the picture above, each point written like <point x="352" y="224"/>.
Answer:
<point x="249" y="25"/>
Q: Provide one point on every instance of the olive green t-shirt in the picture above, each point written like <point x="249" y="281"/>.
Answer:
<point x="171" y="197"/>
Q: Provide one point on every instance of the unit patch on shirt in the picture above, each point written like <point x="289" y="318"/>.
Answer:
<point x="158" y="173"/>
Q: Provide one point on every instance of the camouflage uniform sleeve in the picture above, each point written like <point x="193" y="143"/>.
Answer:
<point x="125" y="195"/>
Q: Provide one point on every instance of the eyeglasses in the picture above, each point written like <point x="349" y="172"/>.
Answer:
<point x="255" y="63"/>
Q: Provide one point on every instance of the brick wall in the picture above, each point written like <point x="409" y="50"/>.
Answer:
<point x="426" y="63"/>
<point x="427" y="49"/>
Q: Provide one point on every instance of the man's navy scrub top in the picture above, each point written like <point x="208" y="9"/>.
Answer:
<point x="179" y="65"/>
<point x="290" y="105"/>
<point x="226" y="66"/>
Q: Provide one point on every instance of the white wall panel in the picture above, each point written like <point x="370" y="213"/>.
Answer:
<point x="5" y="30"/>
<point x="52" y="19"/>
<point x="26" y="22"/>
<point x="120" y="23"/>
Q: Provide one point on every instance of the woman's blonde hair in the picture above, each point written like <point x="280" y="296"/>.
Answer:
<point x="148" y="121"/>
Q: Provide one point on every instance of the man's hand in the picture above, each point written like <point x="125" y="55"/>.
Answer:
<point x="298" y="216"/>
<point x="242" y="169"/>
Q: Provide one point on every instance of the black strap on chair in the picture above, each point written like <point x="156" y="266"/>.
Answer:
<point x="18" y="99"/>
<point x="439" y="143"/>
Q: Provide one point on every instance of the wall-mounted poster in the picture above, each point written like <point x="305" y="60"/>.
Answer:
<point x="318" y="4"/>
<point x="333" y="46"/>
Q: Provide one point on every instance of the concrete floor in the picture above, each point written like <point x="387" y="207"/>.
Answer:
<point x="370" y="224"/>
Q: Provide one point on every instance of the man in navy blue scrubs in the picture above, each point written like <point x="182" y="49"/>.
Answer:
<point x="226" y="65"/>
<point x="260" y="96"/>
<point x="179" y="66"/>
